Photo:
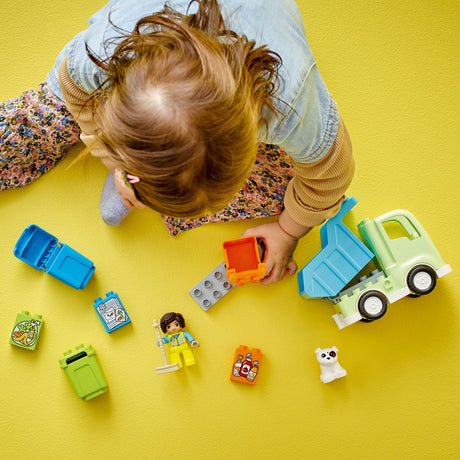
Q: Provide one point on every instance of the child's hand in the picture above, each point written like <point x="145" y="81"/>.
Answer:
<point x="278" y="253"/>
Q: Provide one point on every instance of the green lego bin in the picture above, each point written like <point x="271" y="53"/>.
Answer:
<point x="84" y="372"/>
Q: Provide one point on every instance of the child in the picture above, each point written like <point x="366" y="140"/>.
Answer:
<point x="174" y="101"/>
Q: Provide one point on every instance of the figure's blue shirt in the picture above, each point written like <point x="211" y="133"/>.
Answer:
<point x="179" y="338"/>
<point x="309" y="126"/>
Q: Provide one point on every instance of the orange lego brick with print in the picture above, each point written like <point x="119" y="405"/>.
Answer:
<point x="246" y="365"/>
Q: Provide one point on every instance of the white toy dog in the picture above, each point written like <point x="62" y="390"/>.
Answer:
<point x="329" y="365"/>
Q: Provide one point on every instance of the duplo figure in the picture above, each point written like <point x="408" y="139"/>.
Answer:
<point x="172" y="324"/>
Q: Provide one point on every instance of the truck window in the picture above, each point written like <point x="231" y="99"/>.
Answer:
<point x="395" y="230"/>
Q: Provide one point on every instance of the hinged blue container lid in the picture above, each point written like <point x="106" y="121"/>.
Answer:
<point x="35" y="246"/>
<point x="43" y="251"/>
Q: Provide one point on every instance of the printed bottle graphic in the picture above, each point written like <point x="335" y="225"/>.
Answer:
<point x="237" y="366"/>
<point x="246" y="366"/>
<point x="253" y="372"/>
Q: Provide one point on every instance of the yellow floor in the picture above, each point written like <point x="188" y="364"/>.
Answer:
<point x="393" y="69"/>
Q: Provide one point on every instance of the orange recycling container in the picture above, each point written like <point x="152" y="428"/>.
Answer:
<point x="242" y="260"/>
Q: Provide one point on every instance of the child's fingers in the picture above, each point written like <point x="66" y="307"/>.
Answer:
<point x="291" y="267"/>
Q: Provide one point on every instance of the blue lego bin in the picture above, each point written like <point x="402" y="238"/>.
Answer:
<point x="341" y="258"/>
<point x="43" y="251"/>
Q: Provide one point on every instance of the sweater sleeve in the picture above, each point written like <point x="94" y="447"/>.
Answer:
<point x="317" y="189"/>
<point x="80" y="105"/>
<point x="77" y="101"/>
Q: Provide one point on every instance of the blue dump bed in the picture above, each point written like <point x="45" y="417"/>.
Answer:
<point x="341" y="258"/>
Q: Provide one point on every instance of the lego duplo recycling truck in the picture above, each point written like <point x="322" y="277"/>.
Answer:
<point x="408" y="265"/>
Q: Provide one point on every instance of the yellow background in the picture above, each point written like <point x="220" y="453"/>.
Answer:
<point x="393" y="69"/>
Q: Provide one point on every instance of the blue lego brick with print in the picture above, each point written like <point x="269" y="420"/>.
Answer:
<point x="111" y="312"/>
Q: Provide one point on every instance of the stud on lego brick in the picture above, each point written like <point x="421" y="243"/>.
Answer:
<point x="43" y="251"/>
<point x="212" y="288"/>
<point x="26" y="330"/>
<point x="329" y="364"/>
<point x="246" y="365"/>
<point x="84" y="372"/>
<point x="243" y="261"/>
<point x="111" y="312"/>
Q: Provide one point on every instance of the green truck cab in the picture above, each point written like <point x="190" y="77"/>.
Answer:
<point x="408" y="264"/>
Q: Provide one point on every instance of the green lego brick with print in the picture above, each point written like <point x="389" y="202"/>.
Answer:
<point x="26" y="330"/>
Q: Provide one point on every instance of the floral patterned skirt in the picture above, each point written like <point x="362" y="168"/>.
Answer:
<point x="36" y="131"/>
<point x="262" y="196"/>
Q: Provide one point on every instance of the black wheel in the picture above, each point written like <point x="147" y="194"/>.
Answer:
<point x="372" y="305"/>
<point x="421" y="280"/>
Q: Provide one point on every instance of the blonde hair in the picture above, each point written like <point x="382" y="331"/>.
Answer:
<point x="182" y="106"/>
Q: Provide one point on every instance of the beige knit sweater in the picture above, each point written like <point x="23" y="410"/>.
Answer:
<point x="313" y="195"/>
